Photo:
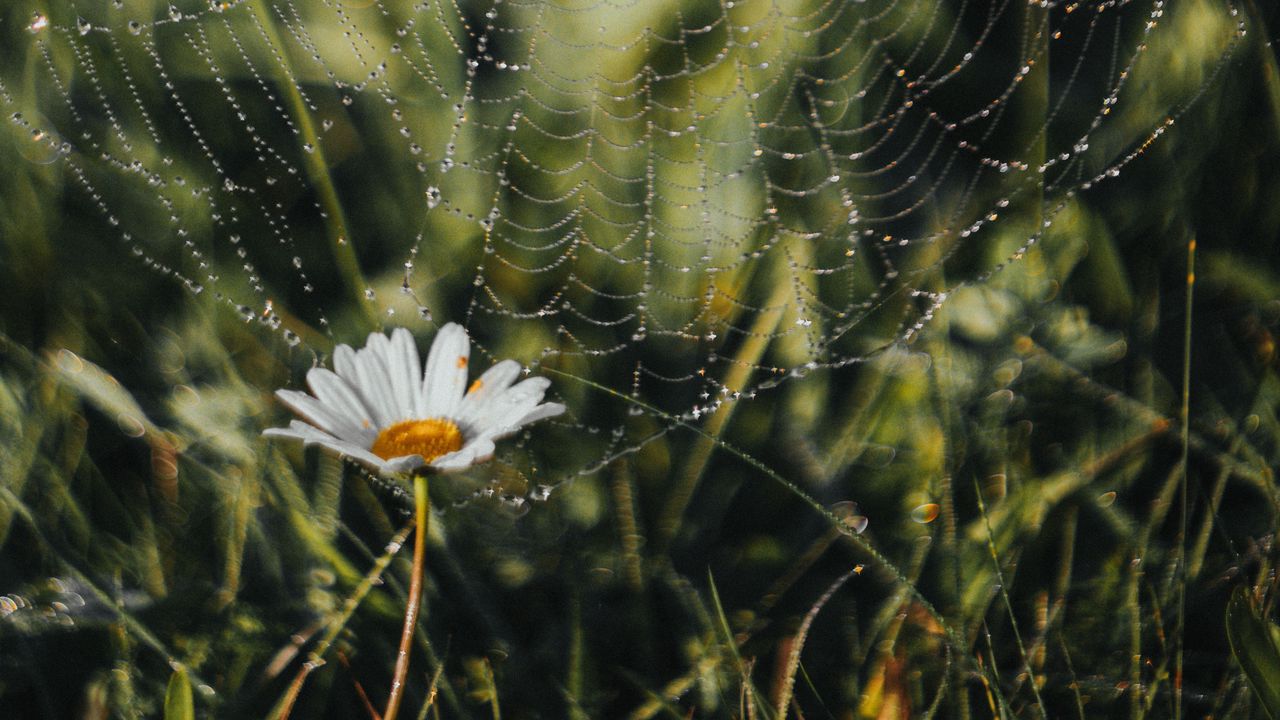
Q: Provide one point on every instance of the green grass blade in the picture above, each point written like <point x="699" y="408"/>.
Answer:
<point x="178" y="702"/>
<point x="1255" y="643"/>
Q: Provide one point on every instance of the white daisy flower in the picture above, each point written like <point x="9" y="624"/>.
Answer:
<point x="383" y="410"/>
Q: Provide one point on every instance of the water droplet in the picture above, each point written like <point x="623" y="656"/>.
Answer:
<point x="135" y="27"/>
<point x="926" y="513"/>
<point x="174" y="13"/>
<point x="83" y="26"/>
<point x="69" y="361"/>
<point x="1106" y="499"/>
<point x="131" y="425"/>
<point x="995" y="487"/>
<point x="877" y="456"/>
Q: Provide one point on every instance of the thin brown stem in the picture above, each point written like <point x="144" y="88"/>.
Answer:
<point x="422" y="505"/>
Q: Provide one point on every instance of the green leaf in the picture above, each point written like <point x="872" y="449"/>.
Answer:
<point x="178" y="703"/>
<point x="1255" y="643"/>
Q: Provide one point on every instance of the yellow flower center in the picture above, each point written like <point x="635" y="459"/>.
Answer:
<point x="429" y="438"/>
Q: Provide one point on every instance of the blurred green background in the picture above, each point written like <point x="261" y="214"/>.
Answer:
<point x="808" y="469"/>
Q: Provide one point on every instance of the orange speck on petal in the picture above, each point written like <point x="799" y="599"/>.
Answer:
<point x="462" y="361"/>
<point x="476" y="385"/>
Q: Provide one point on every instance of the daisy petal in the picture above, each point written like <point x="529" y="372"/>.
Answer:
<point x="347" y="365"/>
<point x="541" y="412"/>
<point x="483" y="449"/>
<point x="402" y="464"/>
<point x="394" y="393"/>
<point x="514" y="404"/>
<point x="373" y="384"/>
<point x="473" y="453"/>
<point x="319" y="414"/>
<point x="344" y="363"/>
<point x="403" y="363"/>
<point x="493" y="383"/>
<point x="351" y="451"/>
<point x="505" y="428"/>
<point x="340" y="397"/>
<point x="309" y="435"/>
<point x="445" y="377"/>
<point x="298" y="430"/>
<point x="465" y="457"/>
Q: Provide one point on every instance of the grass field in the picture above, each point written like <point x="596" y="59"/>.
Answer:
<point x="1033" y="476"/>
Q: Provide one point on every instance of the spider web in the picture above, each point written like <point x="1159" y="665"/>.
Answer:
<point x="688" y="203"/>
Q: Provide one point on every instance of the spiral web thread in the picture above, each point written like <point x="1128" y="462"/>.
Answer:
<point x="688" y="202"/>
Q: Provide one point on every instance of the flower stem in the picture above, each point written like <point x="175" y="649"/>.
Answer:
<point x="422" y="505"/>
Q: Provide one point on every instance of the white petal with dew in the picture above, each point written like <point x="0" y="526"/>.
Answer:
<point x="541" y="412"/>
<point x="403" y="363"/>
<point x="445" y="377"/>
<point x="298" y="430"/>
<point x="483" y="449"/>
<point x="347" y="367"/>
<point x="373" y="385"/>
<point x="465" y="457"/>
<point x="402" y="464"/>
<point x="380" y="347"/>
<point x="344" y="363"/>
<point x="313" y="436"/>
<point x="319" y="414"/>
<point x="506" y="427"/>
<point x="340" y="397"/>
<point x="506" y="410"/>
<point x="351" y="451"/>
<point x="492" y="384"/>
